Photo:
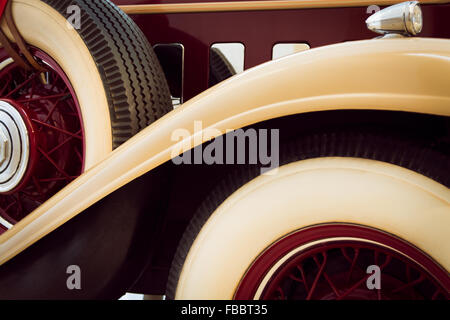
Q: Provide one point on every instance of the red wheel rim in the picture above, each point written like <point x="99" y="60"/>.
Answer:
<point x="329" y="262"/>
<point x="48" y="106"/>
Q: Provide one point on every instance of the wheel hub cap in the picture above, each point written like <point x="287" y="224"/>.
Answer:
<point x="4" y="142"/>
<point x="14" y="147"/>
<point x="41" y="136"/>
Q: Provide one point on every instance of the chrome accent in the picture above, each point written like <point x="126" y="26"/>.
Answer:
<point x="5" y="223"/>
<point x="5" y="63"/>
<point x="403" y="18"/>
<point x="3" y="145"/>
<point x="16" y="147"/>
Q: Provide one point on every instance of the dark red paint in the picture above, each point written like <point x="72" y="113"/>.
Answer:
<point x="2" y="6"/>
<point x="260" y="30"/>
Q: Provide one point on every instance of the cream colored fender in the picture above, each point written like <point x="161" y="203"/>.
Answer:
<point x="409" y="74"/>
<point x="358" y="191"/>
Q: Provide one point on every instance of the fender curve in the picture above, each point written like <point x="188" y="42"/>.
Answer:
<point x="408" y="74"/>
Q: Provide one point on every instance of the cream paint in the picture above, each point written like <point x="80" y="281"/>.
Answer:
<point x="383" y="74"/>
<point x="46" y="29"/>
<point x="315" y="191"/>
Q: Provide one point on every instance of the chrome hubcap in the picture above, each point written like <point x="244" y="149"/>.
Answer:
<point x="14" y="147"/>
<point x="3" y="145"/>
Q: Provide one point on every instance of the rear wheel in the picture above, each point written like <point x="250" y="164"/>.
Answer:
<point x="339" y="204"/>
<point x="102" y="85"/>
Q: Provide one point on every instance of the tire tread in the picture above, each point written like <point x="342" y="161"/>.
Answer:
<point x="134" y="83"/>
<point x="417" y="155"/>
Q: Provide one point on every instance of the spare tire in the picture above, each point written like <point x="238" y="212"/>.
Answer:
<point x="103" y="85"/>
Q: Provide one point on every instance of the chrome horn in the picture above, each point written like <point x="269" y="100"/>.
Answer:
<point x="403" y="18"/>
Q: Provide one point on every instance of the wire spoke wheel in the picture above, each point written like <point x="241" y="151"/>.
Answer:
<point x="48" y="146"/>
<point x="333" y="262"/>
<point x="95" y="94"/>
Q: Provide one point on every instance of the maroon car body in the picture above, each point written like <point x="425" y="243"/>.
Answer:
<point x="259" y="31"/>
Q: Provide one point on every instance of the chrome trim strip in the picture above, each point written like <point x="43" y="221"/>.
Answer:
<point x="195" y="7"/>
<point x="5" y="223"/>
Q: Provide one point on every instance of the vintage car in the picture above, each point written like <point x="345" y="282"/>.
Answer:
<point x="166" y="169"/>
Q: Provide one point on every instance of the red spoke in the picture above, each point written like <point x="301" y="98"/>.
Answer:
<point x="80" y="157"/>
<point x="53" y="162"/>
<point x="436" y="294"/>
<point x="10" y="205"/>
<point x="21" y="85"/>
<point x="58" y="129"/>
<point x="316" y="280"/>
<point x="30" y="196"/>
<point x="62" y="143"/>
<point x="58" y="179"/>
<point x="51" y="110"/>
<point x="408" y="278"/>
<point x="44" y="97"/>
<point x="303" y="277"/>
<point x="19" y="205"/>
<point x="8" y="82"/>
<point x="37" y="185"/>
<point x="302" y="280"/>
<point x="330" y="283"/>
<point x="411" y="284"/>
<point x="353" y="261"/>
<point x="386" y="262"/>
<point x="54" y="82"/>
<point x="293" y="277"/>
<point x="354" y="287"/>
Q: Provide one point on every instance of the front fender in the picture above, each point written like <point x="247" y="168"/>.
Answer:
<point x="408" y="74"/>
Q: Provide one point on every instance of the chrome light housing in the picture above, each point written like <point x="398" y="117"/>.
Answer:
<point x="403" y="18"/>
